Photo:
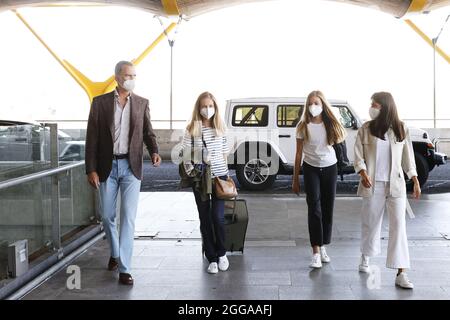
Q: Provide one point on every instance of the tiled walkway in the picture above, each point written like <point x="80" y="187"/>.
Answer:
<point x="275" y="262"/>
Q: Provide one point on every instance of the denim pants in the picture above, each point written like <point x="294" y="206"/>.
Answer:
<point x="121" y="178"/>
<point x="211" y="215"/>
<point x="320" y="189"/>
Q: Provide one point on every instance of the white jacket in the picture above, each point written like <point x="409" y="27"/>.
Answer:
<point x="402" y="160"/>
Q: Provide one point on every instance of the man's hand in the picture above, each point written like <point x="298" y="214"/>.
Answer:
<point x="365" y="179"/>
<point x="94" y="180"/>
<point x="156" y="159"/>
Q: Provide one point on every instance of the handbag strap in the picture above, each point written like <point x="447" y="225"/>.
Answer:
<point x="206" y="147"/>
<point x="204" y="143"/>
<point x="193" y="145"/>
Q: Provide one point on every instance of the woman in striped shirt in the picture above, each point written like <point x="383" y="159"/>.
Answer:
<point x="208" y="130"/>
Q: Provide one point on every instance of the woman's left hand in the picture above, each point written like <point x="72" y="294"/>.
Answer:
<point x="417" y="191"/>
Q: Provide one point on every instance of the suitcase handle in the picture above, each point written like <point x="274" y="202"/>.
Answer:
<point x="233" y="216"/>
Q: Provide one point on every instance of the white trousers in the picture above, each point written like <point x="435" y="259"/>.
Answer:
<point x="372" y="217"/>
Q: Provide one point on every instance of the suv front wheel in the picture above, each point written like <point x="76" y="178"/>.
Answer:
<point x="255" y="175"/>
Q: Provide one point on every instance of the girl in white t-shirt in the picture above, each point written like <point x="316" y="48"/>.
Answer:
<point x="317" y="132"/>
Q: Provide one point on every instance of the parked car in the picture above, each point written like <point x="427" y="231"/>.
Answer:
<point x="262" y="139"/>
<point x="73" y="151"/>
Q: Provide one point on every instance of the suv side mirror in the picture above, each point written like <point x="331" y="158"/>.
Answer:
<point x="354" y="124"/>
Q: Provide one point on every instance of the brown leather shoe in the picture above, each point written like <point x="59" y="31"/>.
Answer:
<point x="126" y="279"/>
<point x="113" y="264"/>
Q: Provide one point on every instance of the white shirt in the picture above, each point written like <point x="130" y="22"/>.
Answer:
<point x="217" y="147"/>
<point x="383" y="168"/>
<point x="317" y="152"/>
<point x="121" y="125"/>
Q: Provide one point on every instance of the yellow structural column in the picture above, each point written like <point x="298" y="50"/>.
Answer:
<point x="428" y="40"/>
<point x="112" y="83"/>
<point x="417" y="6"/>
<point x="171" y="7"/>
<point x="92" y="88"/>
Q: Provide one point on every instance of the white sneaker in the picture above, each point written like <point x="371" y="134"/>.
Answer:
<point x="316" y="262"/>
<point x="364" y="265"/>
<point x="323" y="255"/>
<point x="223" y="263"/>
<point x="212" y="268"/>
<point x="402" y="281"/>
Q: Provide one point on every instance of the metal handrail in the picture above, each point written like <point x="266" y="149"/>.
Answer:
<point x="55" y="174"/>
<point x="39" y="175"/>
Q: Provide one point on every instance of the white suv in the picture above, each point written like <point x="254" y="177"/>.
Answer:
<point x="262" y="139"/>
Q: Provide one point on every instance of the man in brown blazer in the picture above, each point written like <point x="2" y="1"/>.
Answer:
<point x="119" y="124"/>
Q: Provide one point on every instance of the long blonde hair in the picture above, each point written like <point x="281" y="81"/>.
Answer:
<point x="335" y="131"/>
<point x="195" y="125"/>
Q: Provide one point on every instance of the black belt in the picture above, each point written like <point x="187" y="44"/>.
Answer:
<point x="120" y="156"/>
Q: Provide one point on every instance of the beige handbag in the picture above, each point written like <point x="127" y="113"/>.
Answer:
<point x="225" y="189"/>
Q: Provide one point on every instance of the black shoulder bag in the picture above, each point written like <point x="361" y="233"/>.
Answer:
<point x="342" y="159"/>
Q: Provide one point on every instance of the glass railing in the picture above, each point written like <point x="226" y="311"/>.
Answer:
<point x="47" y="202"/>
<point x="77" y="202"/>
<point x="46" y="208"/>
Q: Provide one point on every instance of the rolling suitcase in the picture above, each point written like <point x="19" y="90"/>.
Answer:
<point x="235" y="225"/>
<point x="236" y="222"/>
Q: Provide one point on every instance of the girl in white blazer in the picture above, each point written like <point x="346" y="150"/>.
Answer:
<point x="383" y="152"/>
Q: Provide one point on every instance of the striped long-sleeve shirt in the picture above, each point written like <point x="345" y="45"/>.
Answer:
<point x="217" y="147"/>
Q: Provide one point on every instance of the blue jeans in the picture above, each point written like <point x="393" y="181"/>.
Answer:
<point x="211" y="214"/>
<point x="121" y="177"/>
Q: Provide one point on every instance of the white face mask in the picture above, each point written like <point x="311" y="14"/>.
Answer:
<point x="207" y="113"/>
<point x="374" y="113"/>
<point x="129" y="85"/>
<point x="315" y="110"/>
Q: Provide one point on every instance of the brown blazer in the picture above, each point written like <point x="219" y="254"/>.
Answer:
<point x="100" y="133"/>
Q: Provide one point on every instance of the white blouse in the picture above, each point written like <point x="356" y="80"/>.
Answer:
<point x="317" y="152"/>
<point x="383" y="162"/>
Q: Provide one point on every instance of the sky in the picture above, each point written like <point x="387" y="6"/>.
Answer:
<point x="276" y="48"/>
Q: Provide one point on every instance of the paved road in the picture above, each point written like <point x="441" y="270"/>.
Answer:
<point x="166" y="178"/>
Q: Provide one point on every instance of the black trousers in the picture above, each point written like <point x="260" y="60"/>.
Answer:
<point x="320" y="189"/>
<point x="211" y="214"/>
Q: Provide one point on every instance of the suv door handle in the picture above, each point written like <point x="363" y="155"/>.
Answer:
<point x="284" y="136"/>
